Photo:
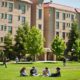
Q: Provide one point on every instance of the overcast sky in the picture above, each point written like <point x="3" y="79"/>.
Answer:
<point x="73" y="3"/>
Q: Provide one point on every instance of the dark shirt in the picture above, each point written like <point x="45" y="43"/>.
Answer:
<point x="33" y="71"/>
<point x="56" y="74"/>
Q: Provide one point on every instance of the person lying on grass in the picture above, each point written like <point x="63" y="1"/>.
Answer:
<point x="57" y="74"/>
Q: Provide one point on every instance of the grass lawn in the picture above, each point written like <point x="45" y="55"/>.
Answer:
<point x="70" y="72"/>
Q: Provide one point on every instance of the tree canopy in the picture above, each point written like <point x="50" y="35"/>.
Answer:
<point x="35" y="41"/>
<point x="8" y="46"/>
<point x="28" y="40"/>
<point x="73" y="36"/>
<point x="58" y="46"/>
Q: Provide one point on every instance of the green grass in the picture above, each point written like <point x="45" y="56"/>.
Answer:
<point x="70" y="72"/>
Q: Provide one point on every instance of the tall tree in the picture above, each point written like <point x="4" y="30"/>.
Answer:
<point x="21" y="40"/>
<point x="76" y="48"/>
<point x="35" y="41"/>
<point x="73" y="35"/>
<point x="58" y="46"/>
<point x="8" y="47"/>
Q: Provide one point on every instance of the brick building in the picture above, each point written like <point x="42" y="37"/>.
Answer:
<point x="53" y="19"/>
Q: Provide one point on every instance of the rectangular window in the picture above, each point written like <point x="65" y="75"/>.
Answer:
<point x="72" y="17"/>
<point x="2" y="15"/>
<point x="63" y="35"/>
<point x="57" y="15"/>
<point x="18" y="18"/>
<point x="9" y="18"/>
<point x="5" y="4"/>
<point x="2" y="4"/>
<point x="28" y="7"/>
<point x="10" y="7"/>
<point x="57" y="33"/>
<point x="64" y="25"/>
<point x="22" y="8"/>
<point x="5" y="28"/>
<point x="23" y="20"/>
<point x="64" y="16"/>
<point x="39" y="26"/>
<point x="1" y="39"/>
<point x="5" y="16"/>
<point x="1" y="28"/>
<point x="57" y="25"/>
<point x="39" y="13"/>
<point x="10" y="29"/>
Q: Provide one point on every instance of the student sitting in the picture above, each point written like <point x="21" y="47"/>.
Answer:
<point x="33" y="71"/>
<point x="57" y="74"/>
<point x="46" y="72"/>
<point x="23" y="72"/>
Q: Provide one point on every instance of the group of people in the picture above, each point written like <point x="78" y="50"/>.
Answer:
<point x="45" y="72"/>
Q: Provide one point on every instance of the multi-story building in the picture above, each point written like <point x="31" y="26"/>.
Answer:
<point x="37" y="14"/>
<point x="52" y="19"/>
<point x="58" y="20"/>
<point x="12" y="14"/>
<point x="78" y="19"/>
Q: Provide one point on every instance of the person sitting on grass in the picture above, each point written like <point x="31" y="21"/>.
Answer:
<point x="46" y="72"/>
<point x="33" y="71"/>
<point x="57" y="74"/>
<point x="23" y="72"/>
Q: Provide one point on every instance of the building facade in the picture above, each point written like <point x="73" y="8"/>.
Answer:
<point x="52" y="19"/>
<point x="12" y="14"/>
<point x="58" y="20"/>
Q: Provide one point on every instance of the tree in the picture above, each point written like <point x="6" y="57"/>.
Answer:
<point x="58" y="46"/>
<point x="21" y="40"/>
<point x="73" y="36"/>
<point x="28" y="41"/>
<point x="76" y="47"/>
<point x="8" y="47"/>
<point x="35" y="41"/>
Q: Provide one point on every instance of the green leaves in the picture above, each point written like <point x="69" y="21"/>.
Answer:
<point x="58" y="46"/>
<point x="21" y="39"/>
<point x="8" y="45"/>
<point x="35" y="41"/>
<point x="29" y="40"/>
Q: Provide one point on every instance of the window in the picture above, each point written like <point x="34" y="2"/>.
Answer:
<point x="68" y="15"/>
<point x="10" y="7"/>
<point x="9" y="18"/>
<point x="5" y="16"/>
<point x="1" y="39"/>
<point x="2" y="4"/>
<point x="39" y="26"/>
<point x="72" y="17"/>
<point x="40" y="14"/>
<point x="64" y="16"/>
<point x="2" y="15"/>
<point x="57" y="25"/>
<point x="5" y="28"/>
<point x="18" y="18"/>
<point x="1" y="28"/>
<point x="5" y="4"/>
<point x="23" y="19"/>
<point x="63" y="34"/>
<point x="10" y="29"/>
<point x="57" y="15"/>
<point x="57" y="33"/>
<point x="63" y="25"/>
<point x="28" y="6"/>
<point x="22" y="8"/>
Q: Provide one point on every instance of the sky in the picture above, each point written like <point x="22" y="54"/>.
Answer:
<point x="73" y="3"/>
